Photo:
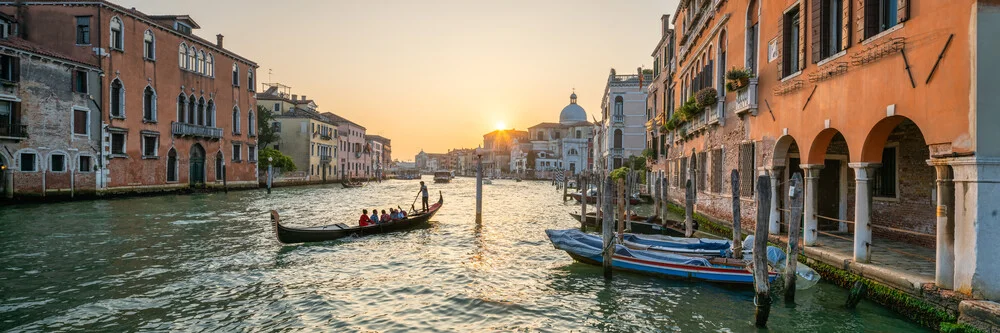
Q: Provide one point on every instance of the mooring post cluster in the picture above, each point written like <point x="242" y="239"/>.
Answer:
<point x="762" y="299"/>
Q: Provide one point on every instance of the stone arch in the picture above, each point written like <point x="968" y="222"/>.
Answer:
<point x="196" y="165"/>
<point x="781" y="149"/>
<point x="817" y="150"/>
<point x="872" y="150"/>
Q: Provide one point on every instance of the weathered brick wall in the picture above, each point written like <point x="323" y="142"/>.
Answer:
<point x="913" y="210"/>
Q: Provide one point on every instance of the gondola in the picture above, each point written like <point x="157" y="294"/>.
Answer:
<point x="592" y="199"/>
<point x="638" y="225"/>
<point x="352" y="185"/>
<point x="290" y="235"/>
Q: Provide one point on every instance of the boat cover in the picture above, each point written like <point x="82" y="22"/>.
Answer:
<point x="678" y="242"/>
<point x="578" y="242"/>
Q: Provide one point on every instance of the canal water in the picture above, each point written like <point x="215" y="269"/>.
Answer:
<point x="210" y="262"/>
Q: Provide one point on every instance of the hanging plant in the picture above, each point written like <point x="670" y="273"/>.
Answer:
<point x="738" y="78"/>
<point x="707" y="97"/>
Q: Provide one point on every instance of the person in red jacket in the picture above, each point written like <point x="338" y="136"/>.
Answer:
<point x="365" y="220"/>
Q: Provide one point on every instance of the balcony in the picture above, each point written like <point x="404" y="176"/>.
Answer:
<point x="325" y="159"/>
<point x="182" y="129"/>
<point x="618" y="118"/>
<point x="617" y="152"/>
<point x="13" y="131"/>
<point x="325" y="137"/>
<point x="746" y="99"/>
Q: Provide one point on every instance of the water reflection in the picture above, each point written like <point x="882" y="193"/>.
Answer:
<point x="210" y="262"/>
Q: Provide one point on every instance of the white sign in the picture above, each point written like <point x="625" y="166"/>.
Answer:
<point x="772" y="50"/>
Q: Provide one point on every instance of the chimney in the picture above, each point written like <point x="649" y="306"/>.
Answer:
<point x="665" y="22"/>
<point x="218" y="40"/>
<point x="303" y="97"/>
<point x="294" y="97"/>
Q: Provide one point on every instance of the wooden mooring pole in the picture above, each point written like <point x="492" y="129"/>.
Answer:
<point x="622" y="207"/>
<point x="566" y="185"/>
<point x="607" y="233"/>
<point x="762" y="299"/>
<point x="688" y="208"/>
<point x="656" y="194"/>
<point x="583" y="200"/>
<point x="479" y="189"/>
<point x="794" y="228"/>
<point x="665" y="199"/>
<point x="737" y="226"/>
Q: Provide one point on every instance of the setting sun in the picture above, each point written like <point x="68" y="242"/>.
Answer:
<point x="501" y="125"/>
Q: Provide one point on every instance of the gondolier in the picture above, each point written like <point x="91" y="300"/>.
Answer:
<point x="423" y="192"/>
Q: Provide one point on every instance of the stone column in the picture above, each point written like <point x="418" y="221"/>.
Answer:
<point x="811" y="201"/>
<point x="944" y="268"/>
<point x="977" y="226"/>
<point x="774" y="225"/>
<point x="863" y="173"/>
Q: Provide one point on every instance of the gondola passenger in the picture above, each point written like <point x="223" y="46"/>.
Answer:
<point x="364" y="221"/>
<point x="374" y="216"/>
<point x="385" y="217"/>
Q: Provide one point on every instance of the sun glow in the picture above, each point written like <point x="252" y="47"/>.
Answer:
<point x="501" y="125"/>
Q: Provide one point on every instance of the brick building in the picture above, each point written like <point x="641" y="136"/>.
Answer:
<point x="882" y="105"/>
<point x="176" y="110"/>
<point x="49" y="131"/>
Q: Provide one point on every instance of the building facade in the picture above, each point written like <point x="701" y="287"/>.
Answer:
<point x="881" y="105"/>
<point x="496" y="150"/>
<point x="354" y="152"/>
<point x="178" y="111"/>
<point x="621" y="132"/>
<point x="381" y="154"/>
<point x="304" y="135"/>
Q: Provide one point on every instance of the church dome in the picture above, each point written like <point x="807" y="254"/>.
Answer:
<point x="572" y="113"/>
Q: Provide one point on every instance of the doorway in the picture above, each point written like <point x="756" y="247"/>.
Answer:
<point x="197" y="166"/>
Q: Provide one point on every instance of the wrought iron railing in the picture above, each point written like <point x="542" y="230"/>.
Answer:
<point x="617" y="151"/>
<point x="184" y="129"/>
<point x="618" y="118"/>
<point x="14" y="130"/>
<point x="746" y="99"/>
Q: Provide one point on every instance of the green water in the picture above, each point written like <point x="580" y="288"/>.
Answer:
<point x="209" y="262"/>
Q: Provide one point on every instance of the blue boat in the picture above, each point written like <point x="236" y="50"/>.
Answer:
<point x="680" y="245"/>
<point x="586" y="248"/>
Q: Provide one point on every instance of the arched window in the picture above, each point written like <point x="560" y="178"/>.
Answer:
<point x="753" y="31"/>
<point x="579" y="134"/>
<point x="198" y="61"/>
<point x="210" y="118"/>
<point x="236" y="120"/>
<point x="619" y="105"/>
<point x="250" y="82"/>
<point x="172" y="165"/>
<point x="572" y="152"/>
<point x="192" y="58"/>
<point x="182" y="56"/>
<point x="220" y="164"/>
<point x="618" y="138"/>
<point x="117" y="99"/>
<point x="149" y="104"/>
<point x="251" y="129"/>
<point x="210" y="65"/>
<point x="201" y="111"/>
<point x="149" y="45"/>
<point x="720" y="68"/>
<point x="558" y="135"/>
<point x="203" y="62"/>
<point x="192" y="110"/>
<point x="181" y="101"/>
<point x="117" y="35"/>
<point x="236" y="75"/>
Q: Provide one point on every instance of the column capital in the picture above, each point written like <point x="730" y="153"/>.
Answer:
<point x="863" y="171"/>
<point x="811" y="170"/>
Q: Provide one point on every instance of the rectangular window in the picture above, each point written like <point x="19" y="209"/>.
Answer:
<point x="28" y="162"/>
<point x="276" y="126"/>
<point x="718" y="175"/>
<point x="252" y="153"/>
<point x="83" y="30"/>
<point x="277" y="108"/>
<point x="885" y="176"/>
<point x="702" y="171"/>
<point x="81" y="122"/>
<point x="149" y="144"/>
<point x="80" y="81"/>
<point x="790" y="53"/>
<point x="58" y="163"/>
<point x="832" y="22"/>
<point x="880" y="15"/>
<point x="86" y="164"/>
<point x="747" y="169"/>
<point x="8" y="68"/>
<point x="237" y="149"/>
<point x="118" y="143"/>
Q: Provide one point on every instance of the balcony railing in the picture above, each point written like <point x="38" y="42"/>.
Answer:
<point x="326" y="137"/>
<point x="183" y="129"/>
<point x="618" y="118"/>
<point x="13" y="131"/>
<point x="617" y="151"/>
<point x="325" y="159"/>
<point x="746" y="99"/>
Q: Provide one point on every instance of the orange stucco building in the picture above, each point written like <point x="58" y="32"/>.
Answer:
<point x="176" y="111"/>
<point x="882" y="105"/>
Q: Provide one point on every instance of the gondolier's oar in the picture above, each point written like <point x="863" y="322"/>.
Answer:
<point x="414" y="204"/>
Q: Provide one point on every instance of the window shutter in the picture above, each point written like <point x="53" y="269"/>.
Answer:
<point x="845" y="38"/>
<point x="780" y="47"/>
<point x="871" y="20"/>
<point x="802" y="35"/>
<point x="860" y="20"/>
<point x="79" y="122"/>
<point x="15" y="64"/>
<point x="817" y="30"/>
<point x="16" y="119"/>
<point x="903" y="10"/>
<point x="72" y="80"/>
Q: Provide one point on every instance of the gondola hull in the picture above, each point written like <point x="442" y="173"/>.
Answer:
<point x="352" y="185"/>
<point x="290" y="235"/>
<point x="638" y="226"/>
<point x="593" y="199"/>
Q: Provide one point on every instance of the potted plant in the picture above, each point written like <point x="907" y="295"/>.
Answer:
<point x="738" y="78"/>
<point x="707" y="97"/>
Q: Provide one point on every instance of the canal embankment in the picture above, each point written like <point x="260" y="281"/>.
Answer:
<point x="908" y="294"/>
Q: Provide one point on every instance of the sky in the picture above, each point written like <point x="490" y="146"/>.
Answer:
<point x="434" y="75"/>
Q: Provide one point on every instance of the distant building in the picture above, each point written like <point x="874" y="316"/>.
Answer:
<point x="381" y="154"/>
<point x="496" y="150"/>
<point x="307" y="137"/>
<point x="621" y="132"/>
<point x="562" y="146"/>
<point x="355" y="160"/>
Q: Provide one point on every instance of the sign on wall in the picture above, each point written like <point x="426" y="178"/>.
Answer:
<point x="772" y="50"/>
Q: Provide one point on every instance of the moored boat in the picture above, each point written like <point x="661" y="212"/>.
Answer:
<point x="351" y="184"/>
<point x="638" y="225"/>
<point x="587" y="249"/>
<point x="292" y="235"/>
<point x="442" y="177"/>
<point x="592" y="199"/>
